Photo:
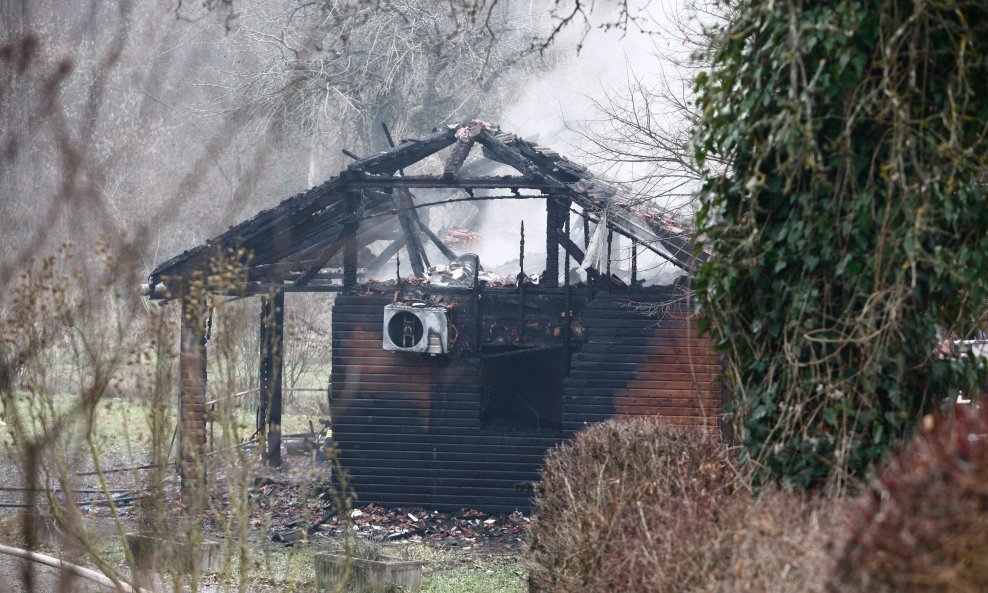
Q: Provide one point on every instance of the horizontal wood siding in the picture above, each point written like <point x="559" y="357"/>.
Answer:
<point x="638" y="363"/>
<point x="409" y="427"/>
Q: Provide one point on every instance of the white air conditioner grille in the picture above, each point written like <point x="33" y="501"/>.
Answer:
<point x="415" y="328"/>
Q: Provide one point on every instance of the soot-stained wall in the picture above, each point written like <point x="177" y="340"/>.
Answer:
<point x="469" y="428"/>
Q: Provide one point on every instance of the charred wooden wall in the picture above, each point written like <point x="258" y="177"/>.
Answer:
<point x="411" y="427"/>
<point x="642" y="356"/>
<point x="408" y="425"/>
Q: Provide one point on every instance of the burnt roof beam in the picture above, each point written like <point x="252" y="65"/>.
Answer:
<point x="407" y="153"/>
<point x="510" y="182"/>
<point x="497" y="150"/>
<point x="408" y="217"/>
<point x="571" y="248"/>
<point x="449" y="253"/>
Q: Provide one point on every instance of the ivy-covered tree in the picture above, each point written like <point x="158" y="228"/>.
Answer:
<point x="850" y="227"/>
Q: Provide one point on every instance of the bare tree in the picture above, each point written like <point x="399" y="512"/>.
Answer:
<point x="332" y="72"/>
<point x="641" y="133"/>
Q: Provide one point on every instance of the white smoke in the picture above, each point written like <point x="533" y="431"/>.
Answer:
<point x="558" y="110"/>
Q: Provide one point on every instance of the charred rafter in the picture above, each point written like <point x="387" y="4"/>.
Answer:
<point x="408" y="217"/>
<point x="406" y="153"/>
<point x="435" y="182"/>
<point x="306" y="231"/>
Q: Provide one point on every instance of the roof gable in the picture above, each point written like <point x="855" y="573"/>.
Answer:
<point x="294" y="240"/>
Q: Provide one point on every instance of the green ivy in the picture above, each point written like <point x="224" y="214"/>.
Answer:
<point x="847" y="148"/>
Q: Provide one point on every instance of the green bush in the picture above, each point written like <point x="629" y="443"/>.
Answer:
<point x="922" y="526"/>
<point x="845" y="206"/>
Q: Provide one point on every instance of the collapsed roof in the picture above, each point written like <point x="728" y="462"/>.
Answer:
<point x="292" y="244"/>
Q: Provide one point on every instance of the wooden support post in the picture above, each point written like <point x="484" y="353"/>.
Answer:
<point x="522" y="278"/>
<point x="350" y="228"/>
<point x="610" y="242"/>
<point x="634" y="262"/>
<point x="192" y="404"/>
<point x="271" y="340"/>
<point x="551" y="276"/>
<point x="408" y="218"/>
<point x="569" y="296"/>
<point x="478" y="296"/>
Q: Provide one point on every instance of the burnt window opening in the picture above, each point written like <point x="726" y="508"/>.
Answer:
<point x="523" y="389"/>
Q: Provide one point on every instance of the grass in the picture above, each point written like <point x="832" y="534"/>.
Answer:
<point x="292" y="569"/>
<point x="121" y="426"/>
<point x="120" y="430"/>
<point x="499" y="575"/>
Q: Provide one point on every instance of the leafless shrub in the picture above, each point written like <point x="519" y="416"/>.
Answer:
<point x="631" y="505"/>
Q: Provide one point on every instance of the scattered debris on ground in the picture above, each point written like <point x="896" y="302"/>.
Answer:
<point x="295" y="513"/>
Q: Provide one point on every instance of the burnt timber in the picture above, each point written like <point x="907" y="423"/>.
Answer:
<point x="519" y="366"/>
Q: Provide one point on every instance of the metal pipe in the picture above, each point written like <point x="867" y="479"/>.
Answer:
<point x="90" y="575"/>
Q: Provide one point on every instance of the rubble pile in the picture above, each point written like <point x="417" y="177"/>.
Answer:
<point x="298" y="513"/>
<point x="461" y="273"/>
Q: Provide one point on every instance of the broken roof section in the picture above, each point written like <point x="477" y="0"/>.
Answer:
<point x="293" y="244"/>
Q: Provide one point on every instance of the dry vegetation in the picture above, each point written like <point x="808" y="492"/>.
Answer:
<point x="922" y="525"/>
<point x="630" y="505"/>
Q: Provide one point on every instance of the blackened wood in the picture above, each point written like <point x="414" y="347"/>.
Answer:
<point x="406" y="153"/>
<point x="449" y="253"/>
<point x="522" y="282"/>
<point x="192" y="402"/>
<point x="497" y="150"/>
<point x="274" y="417"/>
<point x="327" y="254"/>
<point x="551" y="275"/>
<point x="385" y="182"/>
<point x="350" y="240"/>
<point x="571" y="248"/>
<point x="271" y="338"/>
<point x="385" y="255"/>
<point x="634" y="262"/>
<point x="387" y="135"/>
<point x="407" y="217"/>
<point x="461" y="149"/>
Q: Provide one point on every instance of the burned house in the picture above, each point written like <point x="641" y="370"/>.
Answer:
<point x="449" y="382"/>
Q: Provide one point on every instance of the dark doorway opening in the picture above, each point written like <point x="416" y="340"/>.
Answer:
<point x="523" y="389"/>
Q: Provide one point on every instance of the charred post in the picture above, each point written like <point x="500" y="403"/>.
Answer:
<point x="408" y="218"/>
<point x="271" y="341"/>
<point x="465" y="139"/>
<point x="634" y="262"/>
<point x="610" y="243"/>
<point x="192" y="401"/>
<point x="521" y="285"/>
<point x="350" y="228"/>
<point x="551" y="276"/>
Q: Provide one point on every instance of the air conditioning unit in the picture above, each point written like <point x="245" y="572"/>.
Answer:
<point x="416" y="328"/>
